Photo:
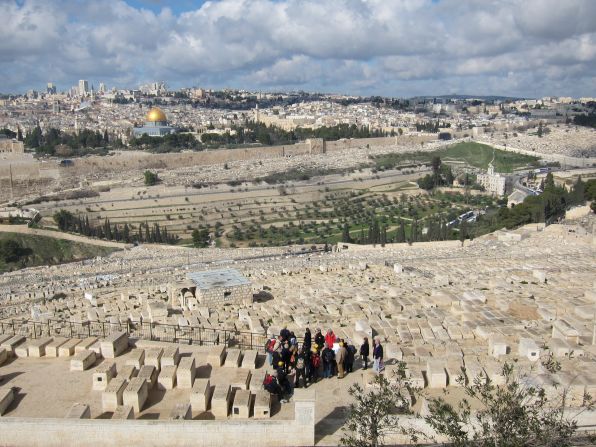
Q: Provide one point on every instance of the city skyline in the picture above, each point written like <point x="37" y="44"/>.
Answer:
<point x="391" y="48"/>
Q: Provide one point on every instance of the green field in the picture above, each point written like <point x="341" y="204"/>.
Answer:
<point x="470" y="153"/>
<point x="480" y="155"/>
<point x="41" y="250"/>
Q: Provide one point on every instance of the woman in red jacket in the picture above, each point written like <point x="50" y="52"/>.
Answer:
<point x="330" y="338"/>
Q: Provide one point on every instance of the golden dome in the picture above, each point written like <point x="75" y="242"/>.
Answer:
<point x="156" y="115"/>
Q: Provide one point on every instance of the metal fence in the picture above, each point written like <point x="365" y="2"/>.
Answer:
<point x="145" y="330"/>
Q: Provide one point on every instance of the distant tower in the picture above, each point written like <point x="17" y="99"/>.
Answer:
<point x="83" y="87"/>
<point x="257" y="117"/>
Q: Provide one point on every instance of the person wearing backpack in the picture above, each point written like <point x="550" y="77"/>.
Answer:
<point x="270" y="349"/>
<point x="301" y="368"/>
<point x="328" y="360"/>
<point x="271" y="385"/>
<point x="365" y="352"/>
<point x="284" y="383"/>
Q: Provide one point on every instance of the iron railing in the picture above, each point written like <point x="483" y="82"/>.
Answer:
<point x="145" y="330"/>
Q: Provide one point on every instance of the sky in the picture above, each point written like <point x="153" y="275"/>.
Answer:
<point x="395" y="48"/>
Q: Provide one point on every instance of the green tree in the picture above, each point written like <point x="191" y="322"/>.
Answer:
<point x="374" y="415"/>
<point x="65" y="220"/>
<point x="345" y="235"/>
<point x="151" y="178"/>
<point x="516" y="414"/>
<point x="401" y="232"/>
<point x="436" y="167"/>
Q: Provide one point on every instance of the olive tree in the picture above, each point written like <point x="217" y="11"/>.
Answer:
<point x="374" y="414"/>
<point x="516" y="413"/>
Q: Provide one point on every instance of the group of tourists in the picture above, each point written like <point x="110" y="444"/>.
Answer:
<point x="318" y="357"/>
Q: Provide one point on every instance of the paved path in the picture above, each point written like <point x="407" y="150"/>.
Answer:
<point x="24" y="229"/>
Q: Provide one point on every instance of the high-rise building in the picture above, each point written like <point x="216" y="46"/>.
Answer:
<point x="51" y="89"/>
<point x="83" y="87"/>
<point x="102" y="87"/>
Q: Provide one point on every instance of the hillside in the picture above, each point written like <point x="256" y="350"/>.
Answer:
<point x="41" y="250"/>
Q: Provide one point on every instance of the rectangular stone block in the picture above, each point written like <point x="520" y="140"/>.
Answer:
<point x="200" y="396"/>
<point x="233" y="358"/>
<point x="249" y="359"/>
<point x="182" y="411"/>
<point x="167" y="377"/>
<point x="37" y="347"/>
<point x="85" y="344"/>
<point x="185" y="375"/>
<point x="3" y="356"/>
<point x="240" y="379"/>
<point x="103" y="374"/>
<point x="112" y="396"/>
<point x="241" y="405"/>
<point x="115" y="344"/>
<point x="170" y="357"/>
<point x="12" y="343"/>
<point x="136" y="393"/>
<point x="79" y="411"/>
<point x="96" y="347"/>
<point x="262" y="405"/>
<point x="148" y="373"/>
<point x="136" y="358"/>
<point x="435" y="373"/>
<point x="153" y="357"/>
<point x="6" y="398"/>
<point x="4" y="338"/>
<point x="256" y="380"/>
<point x="68" y="348"/>
<point x="220" y="401"/>
<point x="216" y="355"/>
<point x="82" y="361"/>
<point x="22" y="350"/>
<point x="52" y="348"/>
<point x="127" y="372"/>
<point x="124" y="412"/>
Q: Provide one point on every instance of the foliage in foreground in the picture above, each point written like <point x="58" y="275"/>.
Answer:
<point x="517" y="413"/>
<point x="374" y="415"/>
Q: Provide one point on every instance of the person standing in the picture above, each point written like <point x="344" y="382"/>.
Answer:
<point x="330" y="338"/>
<point x="319" y="340"/>
<point x="365" y="352"/>
<point x="301" y="361"/>
<point x="378" y="366"/>
<point x="342" y="353"/>
<point x="350" y="356"/>
<point x="307" y="343"/>
<point x="328" y="359"/>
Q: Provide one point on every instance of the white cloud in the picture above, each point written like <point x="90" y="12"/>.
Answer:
<point x="392" y="47"/>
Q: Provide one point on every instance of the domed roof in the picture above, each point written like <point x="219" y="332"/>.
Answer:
<point x="156" y="115"/>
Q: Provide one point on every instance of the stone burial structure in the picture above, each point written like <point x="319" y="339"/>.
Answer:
<point x="211" y="288"/>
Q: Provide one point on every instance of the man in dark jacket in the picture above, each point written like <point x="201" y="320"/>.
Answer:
<point x="351" y="354"/>
<point x="365" y="352"/>
<point x="328" y="357"/>
<point x="319" y="340"/>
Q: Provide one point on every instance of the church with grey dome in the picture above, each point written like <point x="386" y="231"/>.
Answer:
<point x="156" y="125"/>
